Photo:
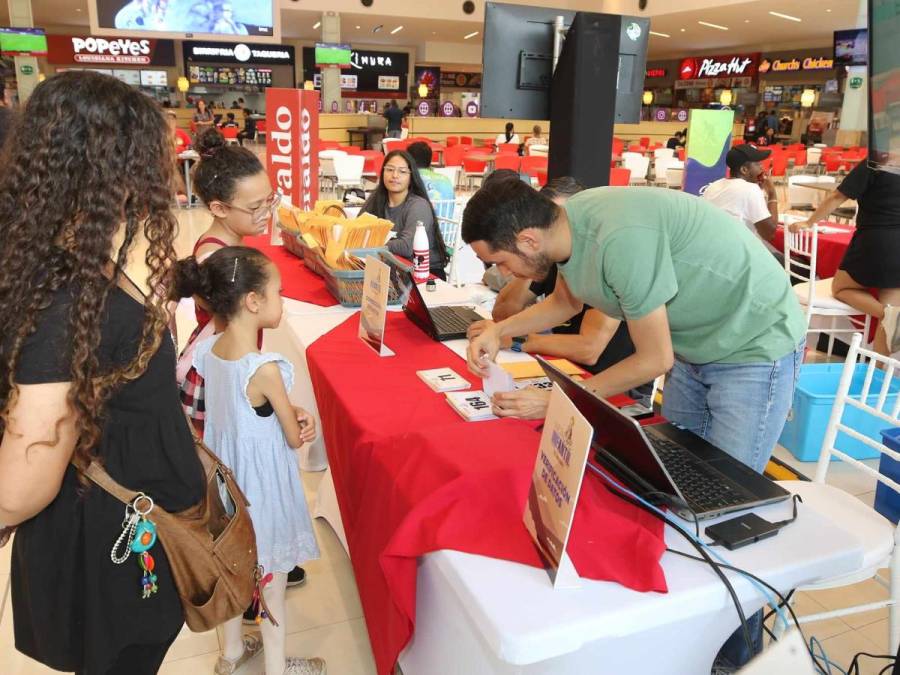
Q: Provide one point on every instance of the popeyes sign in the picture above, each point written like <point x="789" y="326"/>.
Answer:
<point x="712" y="67"/>
<point x="123" y="51"/>
<point x="292" y="144"/>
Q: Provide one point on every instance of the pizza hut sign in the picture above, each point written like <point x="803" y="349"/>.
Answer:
<point x="701" y="67"/>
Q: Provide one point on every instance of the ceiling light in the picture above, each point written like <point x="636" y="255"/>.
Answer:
<point x="470" y="35"/>
<point x="785" y="16"/>
<point x="378" y="28"/>
<point x="746" y="20"/>
<point x="683" y="30"/>
<point x="396" y="30"/>
<point x="316" y="25"/>
<point x="712" y="25"/>
<point x="653" y="32"/>
<point x="434" y="32"/>
<point x="827" y="10"/>
<point x="358" y="27"/>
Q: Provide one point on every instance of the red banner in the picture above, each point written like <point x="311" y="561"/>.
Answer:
<point x="292" y="144"/>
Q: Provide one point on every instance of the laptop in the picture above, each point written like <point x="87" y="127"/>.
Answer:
<point x="441" y="323"/>
<point x="665" y="463"/>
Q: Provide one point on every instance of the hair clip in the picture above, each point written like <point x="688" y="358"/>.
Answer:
<point x="234" y="271"/>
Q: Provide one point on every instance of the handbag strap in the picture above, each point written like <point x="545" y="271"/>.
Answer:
<point x="99" y="476"/>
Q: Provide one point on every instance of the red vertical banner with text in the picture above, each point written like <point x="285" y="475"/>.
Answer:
<point x="292" y="144"/>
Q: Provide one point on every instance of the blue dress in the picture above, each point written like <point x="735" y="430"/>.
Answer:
<point x="255" y="449"/>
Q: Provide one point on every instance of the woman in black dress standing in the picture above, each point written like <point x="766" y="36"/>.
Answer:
<point x="87" y="373"/>
<point x="872" y="261"/>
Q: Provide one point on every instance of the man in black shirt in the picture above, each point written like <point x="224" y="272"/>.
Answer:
<point x="591" y="339"/>
<point x="872" y="259"/>
<point x="394" y="117"/>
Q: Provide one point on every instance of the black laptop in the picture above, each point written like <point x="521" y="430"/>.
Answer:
<point x="441" y="323"/>
<point x="660" y="460"/>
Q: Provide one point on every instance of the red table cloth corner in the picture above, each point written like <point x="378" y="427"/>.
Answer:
<point x="412" y="477"/>
<point x="298" y="282"/>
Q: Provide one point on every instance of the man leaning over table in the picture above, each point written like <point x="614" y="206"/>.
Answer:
<point x="701" y="298"/>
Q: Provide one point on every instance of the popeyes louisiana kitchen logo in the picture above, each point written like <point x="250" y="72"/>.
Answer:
<point x="292" y="118"/>
<point x="738" y="65"/>
<point x="86" y="49"/>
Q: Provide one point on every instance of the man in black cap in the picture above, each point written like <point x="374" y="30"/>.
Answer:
<point x="748" y="193"/>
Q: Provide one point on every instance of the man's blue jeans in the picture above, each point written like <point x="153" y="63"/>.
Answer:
<point x="740" y="408"/>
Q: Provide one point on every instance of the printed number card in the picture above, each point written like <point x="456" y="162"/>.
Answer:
<point x="555" y="485"/>
<point x="373" y="313"/>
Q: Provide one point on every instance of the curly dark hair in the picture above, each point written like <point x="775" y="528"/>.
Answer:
<point x="223" y="278"/>
<point x="221" y="166"/>
<point x="91" y="154"/>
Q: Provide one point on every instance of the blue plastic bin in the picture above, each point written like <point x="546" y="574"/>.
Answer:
<point x="805" y="429"/>
<point x="887" y="502"/>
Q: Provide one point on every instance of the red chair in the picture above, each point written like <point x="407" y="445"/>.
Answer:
<point x="800" y="158"/>
<point x="349" y="149"/>
<point x="230" y="133"/>
<point x="329" y="145"/>
<point x="636" y="148"/>
<point x="738" y="141"/>
<point x="508" y="161"/>
<point x="619" y="176"/>
<point x="373" y="163"/>
<point x="681" y="154"/>
<point x="261" y="128"/>
<point x="833" y="163"/>
<point x="779" y="164"/>
<point x="541" y="175"/>
<point x="531" y="164"/>
<point x="453" y="155"/>
<point x="466" y="140"/>
<point x="645" y="141"/>
<point x="618" y="146"/>
<point x="473" y="168"/>
<point x="508" y="147"/>
<point x="452" y="140"/>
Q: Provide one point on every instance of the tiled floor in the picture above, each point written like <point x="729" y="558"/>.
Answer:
<point x="325" y="616"/>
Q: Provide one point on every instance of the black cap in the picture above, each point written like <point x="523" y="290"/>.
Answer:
<point x="741" y="154"/>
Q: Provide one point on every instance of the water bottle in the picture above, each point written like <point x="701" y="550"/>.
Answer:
<point x="422" y="269"/>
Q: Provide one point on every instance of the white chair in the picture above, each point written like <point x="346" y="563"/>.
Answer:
<point x="877" y="535"/>
<point x="661" y="166"/>
<point x="801" y="198"/>
<point x="813" y="156"/>
<point x="675" y="177"/>
<point x="638" y="165"/>
<point x="451" y="172"/>
<point x="327" y="173"/>
<point x="348" y="171"/>
<point x="800" y="253"/>
<point x="663" y="152"/>
<point x="629" y="156"/>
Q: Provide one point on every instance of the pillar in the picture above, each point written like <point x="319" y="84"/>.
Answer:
<point x="26" y="66"/>
<point x="331" y="77"/>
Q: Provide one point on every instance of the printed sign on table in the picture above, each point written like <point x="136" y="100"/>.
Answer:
<point x="555" y="485"/>
<point x="709" y="139"/>
<point x="373" y="310"/>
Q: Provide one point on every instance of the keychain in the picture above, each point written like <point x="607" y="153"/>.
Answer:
<point x="138" y="536"/>
<point x="258" y="608"/>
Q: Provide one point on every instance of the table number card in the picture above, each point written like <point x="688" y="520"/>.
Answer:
<point x="555" y="485"/>
<point x="373" y="313"/>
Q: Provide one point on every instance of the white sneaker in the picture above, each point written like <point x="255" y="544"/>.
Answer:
<point x="891" y="325"/>
<point x="252" y="646"/>
<point x="297" y="666"/>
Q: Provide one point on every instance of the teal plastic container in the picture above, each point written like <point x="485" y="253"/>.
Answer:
<point x="805" y="429"/>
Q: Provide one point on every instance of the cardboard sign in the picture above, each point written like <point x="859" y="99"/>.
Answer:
<point x="709" y="139"/>
<point x="555" y="485"/>
<point x="373" y="310"/>
<point x="292" y="144"/>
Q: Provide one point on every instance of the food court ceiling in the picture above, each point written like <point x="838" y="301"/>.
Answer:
<point x="750" y="24"/>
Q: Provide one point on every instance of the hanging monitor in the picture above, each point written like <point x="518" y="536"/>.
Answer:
<point x="247" y="20"/>
<point x="23" y="42"/>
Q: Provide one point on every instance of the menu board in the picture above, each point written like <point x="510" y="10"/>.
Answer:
<point x="229" y="75"/>
<point x="154" y="78"/>
<point x="132" y="77"/>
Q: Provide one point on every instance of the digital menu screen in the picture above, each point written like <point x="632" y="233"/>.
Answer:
<point x="230" y="75"/>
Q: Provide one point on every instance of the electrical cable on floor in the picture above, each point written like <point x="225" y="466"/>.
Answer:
<point x="854" y="664"/>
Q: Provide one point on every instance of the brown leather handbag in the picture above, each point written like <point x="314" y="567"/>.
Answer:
<point x="211" y="547"/>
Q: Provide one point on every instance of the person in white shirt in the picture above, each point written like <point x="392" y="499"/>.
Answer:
<point x="748" y="194"/>
<point x="509" y="136"/>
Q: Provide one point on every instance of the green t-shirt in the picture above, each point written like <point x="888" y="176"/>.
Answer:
<point x="635" y="249"/>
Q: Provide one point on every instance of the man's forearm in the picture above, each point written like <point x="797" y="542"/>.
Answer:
<point x="627" y="374"/>
<point x="542" y="316"/>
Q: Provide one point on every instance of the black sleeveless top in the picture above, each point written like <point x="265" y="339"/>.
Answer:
<point x="73" y="608"/>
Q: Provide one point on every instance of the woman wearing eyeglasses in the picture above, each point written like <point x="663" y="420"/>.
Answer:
<point x="400" y="197"/>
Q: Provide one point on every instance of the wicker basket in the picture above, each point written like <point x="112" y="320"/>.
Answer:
<point x="347" y="285"/>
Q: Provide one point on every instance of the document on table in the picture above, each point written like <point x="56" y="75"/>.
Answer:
<point x="498" y="380"/>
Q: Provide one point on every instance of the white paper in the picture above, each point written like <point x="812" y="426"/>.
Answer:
<point x="498" y="380"/>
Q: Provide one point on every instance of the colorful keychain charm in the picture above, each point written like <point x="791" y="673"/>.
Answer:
<point x="138" y="536"/>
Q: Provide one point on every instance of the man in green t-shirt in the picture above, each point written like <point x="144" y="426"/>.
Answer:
<point x="701" y="296"/>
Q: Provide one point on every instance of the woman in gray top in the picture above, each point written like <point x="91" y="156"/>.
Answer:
<point x="401" y="198"/>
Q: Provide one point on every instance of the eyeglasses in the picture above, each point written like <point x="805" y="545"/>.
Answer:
<point x="399" y="170"/>
<point x="262" y="211"/>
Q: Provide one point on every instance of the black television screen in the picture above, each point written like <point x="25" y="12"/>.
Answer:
<point x="884" y="85"/>
<point x="851" y="47"/>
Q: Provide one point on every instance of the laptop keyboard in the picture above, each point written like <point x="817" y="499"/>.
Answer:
<point x="704" y="488"/>
<point x="451" y="319"/>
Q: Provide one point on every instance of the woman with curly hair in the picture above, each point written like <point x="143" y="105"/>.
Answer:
<point x="87" y="372"/>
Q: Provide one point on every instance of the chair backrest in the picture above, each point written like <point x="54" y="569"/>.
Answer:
<point x="473" y="165"/>
<point x="779" y="164"/>
<point x="349" y="168"/>
<point x="325" y="154"/>
<point x="645" y="141"/>
<point x="800" y="253"/>
<point x="530" y="165"/>
<point x="229" y="132"/>
<point x="628" y="154"/>
<point x="508" y="147"/>
<point x="453" y="155"/>
<point x="881" y="401"/>
<point x="682" y="153"/>
<point x="619" y="176"/>
<point x="507" y="162"/>
<point x="444" y="208"/>
<point x="388" y="144"/>
<point x="675" y="177"/>
<point x="637" y="165"/>
<point x="452" y="140"/>
<point x="261" y="126"/>
<point x="664" y="152"/>
<point x="661" y="165"/>
<point x="466" y="140"/>
<point x="813" y="155"/>
<point x="618" y="146"/>
<point x="326" y="166"/>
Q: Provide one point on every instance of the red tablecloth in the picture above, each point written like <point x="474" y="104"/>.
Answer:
<point x="297" y="281"/>
<point x="831" y="247"/>
<point x="413" y="477"/>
